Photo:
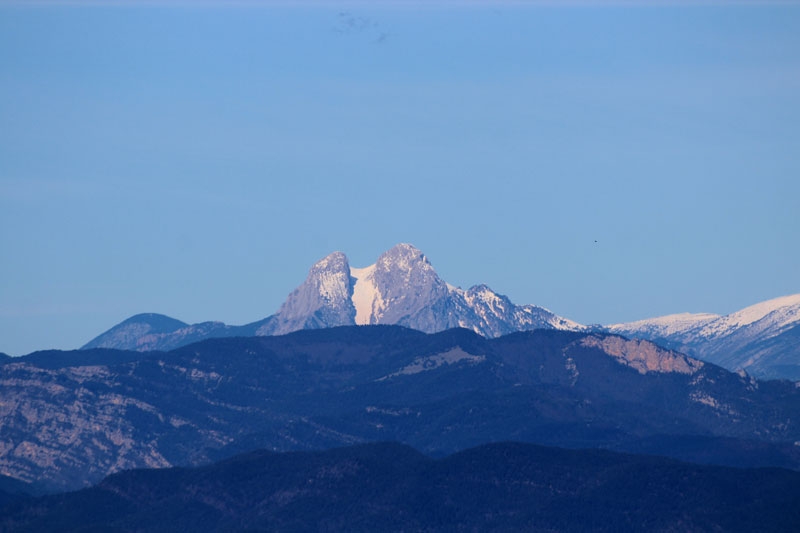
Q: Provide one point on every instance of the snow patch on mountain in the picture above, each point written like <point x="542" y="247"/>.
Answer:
<point x="366" y="297"/>
<point x="556" y="322"/>
<point x="770" y="317"/>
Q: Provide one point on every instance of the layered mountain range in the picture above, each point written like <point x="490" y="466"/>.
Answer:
<point x="68" y="419"/>
<point x="402" y="288"/>
<point x="391" y="352"/>
<point x="390" y="487"/>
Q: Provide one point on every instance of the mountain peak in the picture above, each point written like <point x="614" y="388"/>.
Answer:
<point x="403" y="248"/>
<point x="761" y="310"/>
<point x="403" y="258"/>
<point x="409" y="288"/>
<point x="158" y="322"/>
<point x="334" y="260"/>
<point x="133" y="331"/>
<point x="323" y="300"/>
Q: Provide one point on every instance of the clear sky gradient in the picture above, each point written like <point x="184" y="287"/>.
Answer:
<point x="195" y="161"/>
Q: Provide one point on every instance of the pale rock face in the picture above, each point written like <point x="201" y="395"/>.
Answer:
<point x="58" y="412"/>
<point x="323" y="300"/>
<point x="643" y="356"/>
<point x="412" y="294"/>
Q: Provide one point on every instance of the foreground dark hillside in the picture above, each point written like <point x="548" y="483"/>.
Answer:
<point x="390" y="487"/>
<point x="70" y="418"/>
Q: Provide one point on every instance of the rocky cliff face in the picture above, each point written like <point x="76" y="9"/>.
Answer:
<point x="643" y="356"/>
<point x="64" y="426"/>
<point x="323" y="300"/>
<point x="410" y="291"/>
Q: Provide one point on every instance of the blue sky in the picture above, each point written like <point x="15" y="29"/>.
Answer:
<point x="195" y="161"/>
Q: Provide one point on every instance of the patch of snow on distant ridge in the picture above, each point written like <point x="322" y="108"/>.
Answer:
<point x="665" y="326"/>
<point x="749" y="315"/>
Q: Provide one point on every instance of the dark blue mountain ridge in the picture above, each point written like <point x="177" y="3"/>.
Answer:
<point x="54" y="359"/>
<point x="70" y="425"/>
<point x="386" y="486"/>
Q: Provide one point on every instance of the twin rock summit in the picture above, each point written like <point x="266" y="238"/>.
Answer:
<point x="402" y="288"/>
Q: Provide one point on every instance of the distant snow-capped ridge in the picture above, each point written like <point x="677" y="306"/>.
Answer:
<point x="763" y="339"/>
<point x="401" y="288"/>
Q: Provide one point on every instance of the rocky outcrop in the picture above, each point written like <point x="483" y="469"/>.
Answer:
<point x="642" y="355"/>
<point x="67" y="425"/>
<point x="323" y="300"/>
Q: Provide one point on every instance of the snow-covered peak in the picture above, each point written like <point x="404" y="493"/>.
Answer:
<point x="664" y="326"/>
<point x="777" y="313"/>
<point x="772" y="315"/>
<point x="487" y="297"/>
<point x="559" y="322"/>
